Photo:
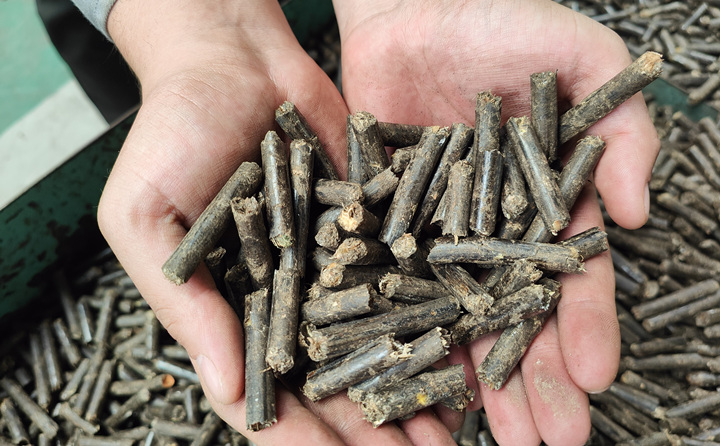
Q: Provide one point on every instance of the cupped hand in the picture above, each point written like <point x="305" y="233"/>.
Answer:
<point x="423" y="62"/>
<point x="212" y="75"/>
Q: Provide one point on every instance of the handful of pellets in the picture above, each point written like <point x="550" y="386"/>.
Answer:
<point x="395" y="250"/>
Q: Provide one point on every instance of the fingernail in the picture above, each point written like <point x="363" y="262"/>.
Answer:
<point x="210" y="377"/>
<point x="647" y="201"/>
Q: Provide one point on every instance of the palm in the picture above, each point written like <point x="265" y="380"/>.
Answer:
<point x="424" y="65"/>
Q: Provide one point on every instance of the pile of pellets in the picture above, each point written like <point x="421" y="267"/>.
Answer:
<point x="361" y="285"/>
<point x="686" y="32"/>
<point x="668" y="299"/>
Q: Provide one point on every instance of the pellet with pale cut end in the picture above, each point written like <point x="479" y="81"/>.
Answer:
<point x="154" y="384"/>
<point x="340" y="276"/>
<point x="488" y="164"/>
<point x="259" y="379"/>
<point x="295" y="126"/>
<point x="513" y="198"/>
<point x="536" y="170"/>
<point x="411" y="255"/>
<point x="367" y="132"/>
<point x="405" y="285"/>
<point x="339" y="305"/>
<point x="34" y="412"/>
<point x="708" y="317"/>
<point x="617" y="90"/>
<point x="380" y="187"/>
<point x="356" y="219"/>
<point x="516" y="276"/>
<point x="249" y="220"/>
<point x="362" y="251"/>
<point x="376" y="357"/>
<point x="400" y="135"/>
<point x="460" y="140"/>
<point x="487" y="251"/>
<point x="339" y="339"/>
<point x="675" y="299"/>
<point x="459" y="188"/>
<point x="13" y="423"/>
<point x="412" y="184"/>
<point x="680" y="313"/>
<point x="544" y="111"/>
<point x="211" y="224"/>
<point x="413" y="394"/>
<point x="330" y="235"/>
<point x="180" y="371"/>
<point x="165" y="428"/>
<point x="658" y="345"/>
<point x="278" y="195"/>
<point x="284" y="317"/>
<point x="426" y="350"/>
<point x="321" y="258"/>
<point x="471" y="295"/>
<point x="337" y="192"/>
<point x="510" y="310"/>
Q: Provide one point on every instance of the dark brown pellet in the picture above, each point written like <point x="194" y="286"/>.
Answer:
<point x="376" y="357"/>
<point x="602" y="101"/>
<point x="488" y="164"/>
<point x="339" y="339"/>
<point x="404" y="285"/>
<point x="400" y="135"/>
<point x="282" y="336"/>
<point x="459" y="187"/>
<point x="543" y="187"/>
<point x="367" y="132"/>
<point x="458" y="281"/>
<point x="487" y="251"/>
<point x="259" y="379"/>
<point x="426" y="350"/>
<point x="544" y="111"/>
<point x="295" y="126"/>
<point x="301" y="175"/>
<point x="356" y="172"/>
<point x="362" y="251"/>
<point x="516" y="276"/>
<point x="339" y="305"/>
<point x="413" y="394"/>
<point x="336" y="192"/>
<point x="340" y="276"/>
<point x="412" y="185"/>
<point x="460" y="139"/>
<point x="210" y="225"/>
<point x="514" y="198"/>
<point x="356" y="219"/>
<point x="278" y="195"/>
<point x="411" y="255"/>
<point x="380" y="187"/>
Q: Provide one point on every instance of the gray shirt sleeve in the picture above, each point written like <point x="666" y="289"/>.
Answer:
<point x="96" y="11"/>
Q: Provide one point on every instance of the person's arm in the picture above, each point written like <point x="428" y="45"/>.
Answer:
<point x="423" y="62"/>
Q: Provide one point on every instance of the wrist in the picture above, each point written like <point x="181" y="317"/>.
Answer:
<point x="162" y="37"/>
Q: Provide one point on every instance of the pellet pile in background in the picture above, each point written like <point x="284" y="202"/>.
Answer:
<point x="668" y="299"/>
<point x="687" y="32"/>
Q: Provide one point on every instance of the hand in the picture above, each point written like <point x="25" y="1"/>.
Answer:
<point x="423" y="62"/>
<point x="212" y="75"/>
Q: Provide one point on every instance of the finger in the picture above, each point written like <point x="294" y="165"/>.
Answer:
<point x="346" y="419"/>
<point x="425" y="428"/>
<point x="292" y="418"/>
<point x="507" y="409"/>
<point x="559" y="408"/>
<point x="624" y="170"/>
<point x="587" y="320"/>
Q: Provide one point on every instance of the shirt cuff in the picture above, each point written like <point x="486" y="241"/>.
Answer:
<point x="97" y="12"/>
